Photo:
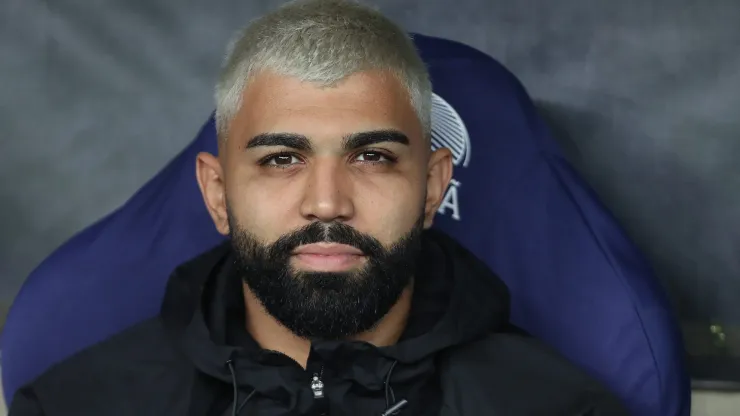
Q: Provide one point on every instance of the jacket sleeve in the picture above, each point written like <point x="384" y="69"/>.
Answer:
<point x="25" y="403"/>
<point x="605" y="404"/>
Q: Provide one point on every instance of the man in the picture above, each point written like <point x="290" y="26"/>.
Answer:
<point x="331" y="295"/>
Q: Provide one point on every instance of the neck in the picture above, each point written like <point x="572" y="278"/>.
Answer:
<point x="272" y="335"/>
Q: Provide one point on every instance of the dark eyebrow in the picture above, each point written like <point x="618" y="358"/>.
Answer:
<point x="367" y="138"/>
<point x="291" y="140"/>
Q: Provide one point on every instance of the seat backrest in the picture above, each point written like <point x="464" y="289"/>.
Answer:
<point x="576" y="281"/>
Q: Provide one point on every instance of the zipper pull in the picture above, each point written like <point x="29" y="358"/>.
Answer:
<point x="396" y="408"/>
<point x="317" y="386"/>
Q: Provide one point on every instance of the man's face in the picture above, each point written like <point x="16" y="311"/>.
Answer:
<point x="324" y="192"/>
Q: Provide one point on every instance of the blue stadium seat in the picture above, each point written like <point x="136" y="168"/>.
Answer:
<point x="576" y="281"/>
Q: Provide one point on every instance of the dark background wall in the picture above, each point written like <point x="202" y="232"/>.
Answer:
<point x="96" y="96"/>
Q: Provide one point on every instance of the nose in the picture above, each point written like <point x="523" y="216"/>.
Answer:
<point x="327" y="193"/>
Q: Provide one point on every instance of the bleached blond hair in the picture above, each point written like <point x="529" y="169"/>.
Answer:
<point x="322" y="42"/>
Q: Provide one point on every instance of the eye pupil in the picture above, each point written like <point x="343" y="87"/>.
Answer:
<point x="283" y="159"/>
<point x="371" y="156"/>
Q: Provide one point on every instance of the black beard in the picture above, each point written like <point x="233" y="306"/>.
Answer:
<point x="326" y="305"/>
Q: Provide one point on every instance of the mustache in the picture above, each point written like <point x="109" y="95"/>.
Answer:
<point x="332" y="232"/>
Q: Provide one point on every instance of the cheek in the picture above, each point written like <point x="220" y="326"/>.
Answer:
<point x="261" y="209"/>
<point x="389" y="209"/>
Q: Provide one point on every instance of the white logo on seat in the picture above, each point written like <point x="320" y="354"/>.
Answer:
<point x="448" y="130"/>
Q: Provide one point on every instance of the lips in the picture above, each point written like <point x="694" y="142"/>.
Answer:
<point x="328" y="249"/>
<point x="328" y="256"/>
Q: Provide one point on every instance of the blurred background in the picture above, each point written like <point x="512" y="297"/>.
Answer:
<point x="644" y="95"/>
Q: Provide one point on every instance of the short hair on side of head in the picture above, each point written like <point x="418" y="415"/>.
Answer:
<point x="322" y="42"/>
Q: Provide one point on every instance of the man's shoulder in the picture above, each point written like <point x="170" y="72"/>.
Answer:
<point x="526" y="377"/>
<point x="143" y="340"/>
<point x="137" y="356"/>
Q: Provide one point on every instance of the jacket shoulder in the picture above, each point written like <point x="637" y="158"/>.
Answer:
<point x="119" y="371"/>
<point x="516" y="374"/>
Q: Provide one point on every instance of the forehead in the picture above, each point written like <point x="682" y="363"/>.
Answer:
<point x="364" y="101"/>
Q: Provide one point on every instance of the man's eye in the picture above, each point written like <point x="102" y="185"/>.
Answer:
<point x="282" y="160"/>
<point x="373" y="157"/>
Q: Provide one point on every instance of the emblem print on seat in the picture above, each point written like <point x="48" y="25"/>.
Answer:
<point x="448" y="130"/>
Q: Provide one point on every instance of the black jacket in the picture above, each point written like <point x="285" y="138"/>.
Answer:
<point x="458" y="356"/>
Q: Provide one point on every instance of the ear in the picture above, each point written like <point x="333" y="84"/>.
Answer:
<point x="439" y="173"/>
<point x="210" y="177"/>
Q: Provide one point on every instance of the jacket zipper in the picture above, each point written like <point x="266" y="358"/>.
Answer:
<point x="317" y="385"/>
